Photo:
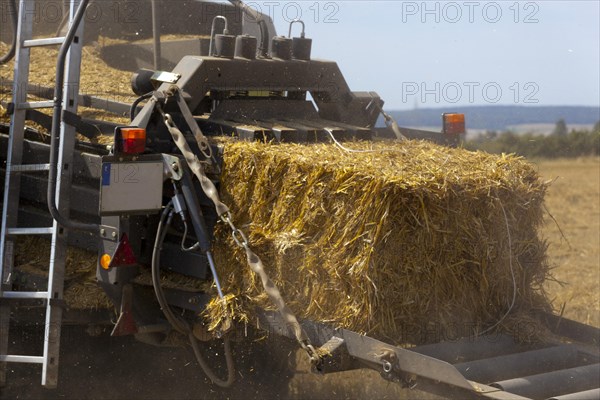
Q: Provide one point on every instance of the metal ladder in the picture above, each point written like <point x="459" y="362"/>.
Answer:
<point x="52" y="296"/>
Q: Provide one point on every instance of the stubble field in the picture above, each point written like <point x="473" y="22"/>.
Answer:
<point x="573" y="199"/>
<point x="572" y="229"/>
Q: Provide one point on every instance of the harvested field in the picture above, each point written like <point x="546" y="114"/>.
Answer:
<point x="573" y="199"/>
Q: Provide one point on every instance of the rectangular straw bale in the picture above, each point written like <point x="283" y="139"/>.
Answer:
<point x="395" y="240"/>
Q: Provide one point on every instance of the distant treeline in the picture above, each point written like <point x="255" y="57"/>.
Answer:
<point x="576" y="143"/>
<point x="499" y="118"/>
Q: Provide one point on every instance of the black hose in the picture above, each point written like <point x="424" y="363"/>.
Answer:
<point x="12" y="9"/>
<point x="137" y="102"/>
<point x="56" y="121"/>
<point x="179" y="324"/>
<point x="263" y="49"/>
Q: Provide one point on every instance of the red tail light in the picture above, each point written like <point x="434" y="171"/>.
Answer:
<point x="130" y="140"/>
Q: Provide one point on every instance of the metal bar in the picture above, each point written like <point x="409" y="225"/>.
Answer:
<point x="593" y="394"/>
<point x="5" y="316"/>
<point x="156" y="35"/>
<point x="59" y="201"/>
<point x="519" y="364"/>
<point x="469" y="349"/>
<point x="87" y="166"/>
<point x="432" y="375"/>
<point x="371" y="350"/>
<point x="29" y="167"/>
<point x="43" y="42"/>
<point x="374" y="354"/>
<point x="22" y="359"/>
<point x="24" y="295"/>
<point x="85" y="100"/>
<point x="30" y="231"/>
<point x="553" y="383"/>
<point x="34" y="105"/>
<point x="572" y="329"/>
<point x="15" y="148"/>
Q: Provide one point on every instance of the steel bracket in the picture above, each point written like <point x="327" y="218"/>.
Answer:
<point x="173" y="167"/>
<point x="109" y="233"/>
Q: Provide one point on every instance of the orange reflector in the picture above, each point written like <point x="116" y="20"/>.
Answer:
<point x="454" y="124"/>
<point x="133" y="140"/>
<point x="105" y="261"/>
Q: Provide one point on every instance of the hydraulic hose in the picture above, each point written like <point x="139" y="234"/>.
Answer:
<point x="136" y="103"/>
<point x="56" y="121"/>
<point x="179" y="324"/>
<point x="12" y="10"/>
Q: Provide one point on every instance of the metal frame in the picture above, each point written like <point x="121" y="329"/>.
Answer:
<point x="443" y="368"/>
<point x="221" y="77"/>
<point x="53" y="293"/>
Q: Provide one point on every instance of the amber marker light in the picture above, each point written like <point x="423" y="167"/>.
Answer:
<point x="105" y="261"/>
<point x="454" y="124"/>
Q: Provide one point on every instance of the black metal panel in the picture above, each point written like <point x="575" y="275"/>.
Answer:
<point x="134" y="56"/>
<point x="323" y="79"/>
<point x="34" y="187"/>
<point x="248" y="110"/>
<point x="191" y="263"/>
<point x="87" y="166"/>
<point x="192" y="301"/>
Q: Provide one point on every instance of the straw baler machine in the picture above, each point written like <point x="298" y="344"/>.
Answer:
<point x="150" y="210"/>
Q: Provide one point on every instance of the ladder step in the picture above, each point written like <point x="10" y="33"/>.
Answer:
<point x="43" y="42"/>
<point x="30" y="168"/>
<point x="7" y="294"/>
<point x="22" y="359"/>
<point x="30" y="231"/>
<point x="32" y="105"/>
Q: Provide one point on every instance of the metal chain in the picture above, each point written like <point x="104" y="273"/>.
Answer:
<point x="254" y="262"/>
<point x="192" y="160"/>
<point x="272" y="291"/>
<point x="202" y="141"/>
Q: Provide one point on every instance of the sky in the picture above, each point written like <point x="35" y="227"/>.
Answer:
<point x="446" y="53"/>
